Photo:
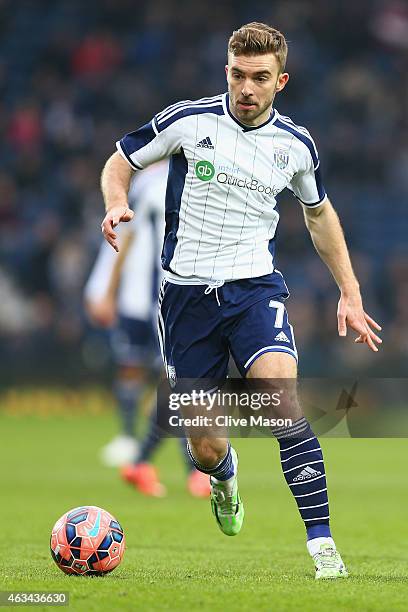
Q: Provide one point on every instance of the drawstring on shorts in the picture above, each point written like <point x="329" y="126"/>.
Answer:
<point x="214" y="286"/>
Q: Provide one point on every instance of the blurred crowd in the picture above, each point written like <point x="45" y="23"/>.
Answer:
<point x="75" y="76"/>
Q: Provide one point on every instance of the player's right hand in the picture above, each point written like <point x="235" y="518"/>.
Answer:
<point x="112" y="218"/>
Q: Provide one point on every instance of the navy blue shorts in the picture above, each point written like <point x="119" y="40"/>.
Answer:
<point x="134" y="342"/>
<point x="199" y="328"/>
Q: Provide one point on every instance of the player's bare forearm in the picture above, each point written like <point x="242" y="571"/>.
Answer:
<point x="328" y="238"/>
<point x="115" y="181"/>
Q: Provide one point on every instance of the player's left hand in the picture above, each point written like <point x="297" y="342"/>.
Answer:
<point x="350" y="313"/>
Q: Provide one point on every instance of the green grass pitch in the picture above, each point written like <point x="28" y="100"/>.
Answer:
<point x="176" y="558"/>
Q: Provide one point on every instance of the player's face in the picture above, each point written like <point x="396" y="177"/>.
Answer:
<point x="253" y="81"/>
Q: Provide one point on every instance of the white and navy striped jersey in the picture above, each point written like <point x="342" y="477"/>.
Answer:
<point x="224" y="177"/>
<point x="141" y="274"/>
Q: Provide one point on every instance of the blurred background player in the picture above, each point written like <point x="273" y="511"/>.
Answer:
<point x="121" y="295"/>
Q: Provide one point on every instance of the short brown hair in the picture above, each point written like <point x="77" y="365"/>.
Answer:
<point x="258" y="38"/>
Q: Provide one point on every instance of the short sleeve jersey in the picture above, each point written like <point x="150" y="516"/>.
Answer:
<point x="220" y="208"/>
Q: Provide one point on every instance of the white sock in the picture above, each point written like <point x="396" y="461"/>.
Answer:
<point x="313" y="546"/>
<point x="228" y="485"/>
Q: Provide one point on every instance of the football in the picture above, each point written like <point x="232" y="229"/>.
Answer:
<point x="87" y="541"/>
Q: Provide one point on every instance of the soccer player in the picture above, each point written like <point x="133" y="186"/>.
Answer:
<point x="230" y="155"/>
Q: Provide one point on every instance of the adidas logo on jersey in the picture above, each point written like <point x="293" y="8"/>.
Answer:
<point x="306" y="474"/>
<point x="282" y="337"/>
<point x="205" y="143"/>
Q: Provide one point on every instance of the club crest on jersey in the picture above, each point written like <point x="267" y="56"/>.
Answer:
<point x="171" y="375"/>
<point x="281" y="158"/>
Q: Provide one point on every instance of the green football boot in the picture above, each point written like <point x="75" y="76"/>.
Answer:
<point x="227" y="508"/>
<point x="328" y="563"/>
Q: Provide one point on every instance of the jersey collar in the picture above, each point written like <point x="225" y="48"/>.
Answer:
<point x="246" y="128"/>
